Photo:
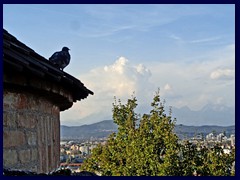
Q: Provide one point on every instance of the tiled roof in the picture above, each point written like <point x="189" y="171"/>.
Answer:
<point x="19" y="57"/>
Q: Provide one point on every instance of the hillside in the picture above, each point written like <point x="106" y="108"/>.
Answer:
<point x="104" y="128"/>
<point x="96" y="130"/>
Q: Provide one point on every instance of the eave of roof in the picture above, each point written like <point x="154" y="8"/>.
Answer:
<point x="23" y="59"/>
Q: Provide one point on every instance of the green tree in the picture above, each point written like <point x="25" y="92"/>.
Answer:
<point x="193" y="159"/>
<point x="147" y="146"/>
<point x="143" y="145"/>
<point x="220" y="163"/>
<point x="204" y="161"/>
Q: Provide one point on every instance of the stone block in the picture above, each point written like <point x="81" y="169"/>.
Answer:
<point x="34" y="154"/>
<point x="34" y="103"/>
<point x="13" y="139"/>
<point x="26" y="120"/>
<point x="24" y="156"/>
<point x="9" y="158"/>
<point x="9" y="119"/>
<point x="9" y="99"/>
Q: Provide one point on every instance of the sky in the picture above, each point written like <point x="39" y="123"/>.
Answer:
<point x="186" y="50"/>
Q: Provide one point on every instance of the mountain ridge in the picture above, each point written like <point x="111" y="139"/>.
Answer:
<point x="210" y="114"/>
<point x="106" y="127"/>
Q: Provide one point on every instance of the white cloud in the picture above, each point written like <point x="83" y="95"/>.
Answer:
<point x="193" y="82"/>
<point x="121" y="79"/>
<point x="192" y="86"/>
<point x="222" y="74"/>
<point x="180" y="83"/>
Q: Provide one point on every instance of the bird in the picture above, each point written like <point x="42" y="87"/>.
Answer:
<point x="61" y="59"/>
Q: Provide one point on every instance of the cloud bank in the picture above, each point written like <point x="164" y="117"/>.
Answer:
<point x="181" y="84"/>
<point x="121" y="80"/>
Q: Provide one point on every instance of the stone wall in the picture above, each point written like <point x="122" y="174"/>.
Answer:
<point x="34" y="94"/>
<point x="31" y="132"/>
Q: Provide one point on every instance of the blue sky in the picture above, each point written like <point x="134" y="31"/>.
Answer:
<point x="188" y="51"/>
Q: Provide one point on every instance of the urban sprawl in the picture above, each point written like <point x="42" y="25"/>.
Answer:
<point x="74" y="152"/>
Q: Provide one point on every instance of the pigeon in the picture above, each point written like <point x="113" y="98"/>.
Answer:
<point x="61" y="59"/>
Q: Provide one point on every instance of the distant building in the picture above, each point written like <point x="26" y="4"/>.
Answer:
<point x="34" y="93"/>
<point x="210" y="136"/>
<point x="232" y="139"/>
<point x="85" y="149"/>
<point x="198" y="137"/>
<point x="75" y="147"/>
<point x="220" y="137"/>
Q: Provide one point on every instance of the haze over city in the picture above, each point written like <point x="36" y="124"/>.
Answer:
<point x="188" y="51"/>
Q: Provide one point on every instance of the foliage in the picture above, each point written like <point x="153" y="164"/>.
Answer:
<point x="204" y="161"/>
<point x="147" y="146"/>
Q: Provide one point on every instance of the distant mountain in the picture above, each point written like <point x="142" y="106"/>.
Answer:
<point x="105" y="128"/>
<point x="210" y="118"/>
<point x="97" y="130"/>
<point x="208" y="115"/>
